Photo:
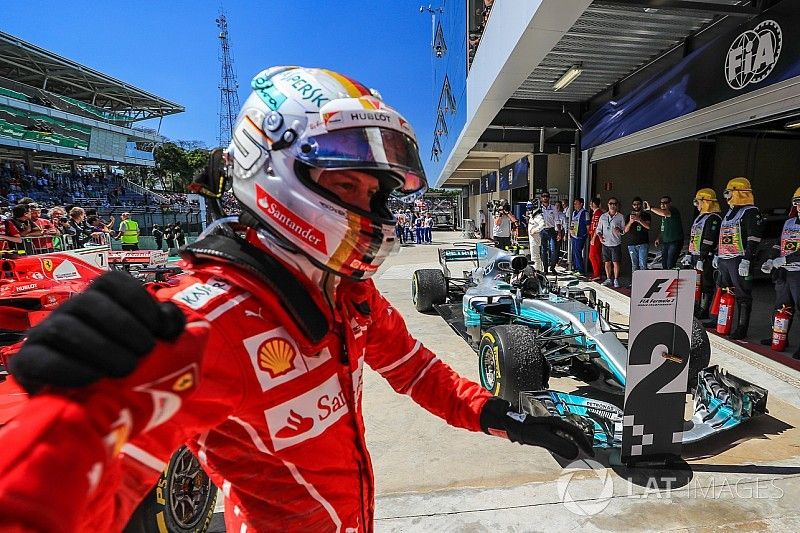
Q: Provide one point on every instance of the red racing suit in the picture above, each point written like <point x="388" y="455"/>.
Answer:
<point x="274" y="419"/>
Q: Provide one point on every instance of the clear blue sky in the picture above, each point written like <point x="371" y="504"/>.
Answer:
<point x="170" y="48"/>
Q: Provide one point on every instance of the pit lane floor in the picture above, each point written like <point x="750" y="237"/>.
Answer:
<point x="431" y="477"/>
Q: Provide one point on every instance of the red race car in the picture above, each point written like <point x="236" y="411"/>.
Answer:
<point x="31" y="287"/>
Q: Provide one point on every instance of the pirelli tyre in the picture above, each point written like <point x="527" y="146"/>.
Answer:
<point x="182" y="501"/>
<point x="428" y="288"/>
<point x="510" y="361"/>
<point x="699" y="352"/>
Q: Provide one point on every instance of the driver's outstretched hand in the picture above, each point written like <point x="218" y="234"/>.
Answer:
<point x="100" y="333"/>
<point x="550" y="432"/>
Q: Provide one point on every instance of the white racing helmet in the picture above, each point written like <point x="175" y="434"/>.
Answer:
<point x="301" y="119"/>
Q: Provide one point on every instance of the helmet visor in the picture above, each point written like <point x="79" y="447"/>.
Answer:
<point x="367" y="148"/>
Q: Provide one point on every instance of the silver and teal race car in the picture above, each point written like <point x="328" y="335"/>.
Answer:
<point x="526" y="327"/>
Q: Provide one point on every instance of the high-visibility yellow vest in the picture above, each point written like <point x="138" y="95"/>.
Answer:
<point x="130" y="233"/>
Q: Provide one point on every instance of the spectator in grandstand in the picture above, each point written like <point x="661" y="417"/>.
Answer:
<point x="180" y="236"/>
<point x="42" y="244"/>
<point x="128" y="232"/>
<point x="21" y="218"/>
<point x="169" y="237"/>
<point x="100" y="233"/>
<point x="55" y="213"/>
<point x="92" y="212"/>
<point x="9" y="236"/>
<point x="82" y="231"/>
<point x="158" y="235"/>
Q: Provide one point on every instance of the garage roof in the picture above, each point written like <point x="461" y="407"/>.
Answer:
<point x="612" y="39"/>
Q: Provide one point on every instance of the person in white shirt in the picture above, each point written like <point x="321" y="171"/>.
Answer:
<point x="609" y="230"/>
<point x="482" y="223"/>
<point x="535" y="227"/>
<point x="549" y="234"/>
<point x="501" y="231"/>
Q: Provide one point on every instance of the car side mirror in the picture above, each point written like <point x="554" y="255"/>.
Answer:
<point x="573" y="283"/>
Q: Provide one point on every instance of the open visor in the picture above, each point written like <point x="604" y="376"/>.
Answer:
<point x="367" y="148"/>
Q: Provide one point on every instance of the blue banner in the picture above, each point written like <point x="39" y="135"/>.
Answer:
<point x="520" y="173"/>
<point x="759" y="53"/>
<point x="489" y="183"/>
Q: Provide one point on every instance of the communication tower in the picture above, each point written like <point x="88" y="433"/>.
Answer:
<point x="228" y="86"/>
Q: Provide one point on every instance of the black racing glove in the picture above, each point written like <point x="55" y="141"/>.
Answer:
<point x="550" y="432"/>
<point x="100" y="333"/>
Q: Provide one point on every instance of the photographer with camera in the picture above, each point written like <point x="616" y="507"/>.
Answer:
<point x="503" y="219"/>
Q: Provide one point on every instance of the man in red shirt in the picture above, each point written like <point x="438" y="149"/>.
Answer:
<point x="8" y="234"/>
<point x="255" y="357"/>
<point x="43" y="244"/>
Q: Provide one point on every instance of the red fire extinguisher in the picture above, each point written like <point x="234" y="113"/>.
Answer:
<point x="715" y="303"/>
<point x="780" y="328"/>
<point x="725" y="315"/>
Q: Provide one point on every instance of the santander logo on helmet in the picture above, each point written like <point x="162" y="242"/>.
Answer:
<point x="301" y="124"/>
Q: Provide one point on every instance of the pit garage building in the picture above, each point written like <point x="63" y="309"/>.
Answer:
<point x="619" y="98"/>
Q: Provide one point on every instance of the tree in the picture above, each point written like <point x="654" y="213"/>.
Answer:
<point x="176" y="166"/>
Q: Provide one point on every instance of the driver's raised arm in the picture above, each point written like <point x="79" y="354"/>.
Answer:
<point x="68" y="445"/>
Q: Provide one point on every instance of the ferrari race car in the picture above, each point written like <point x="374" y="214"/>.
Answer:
<point x="30" y="288"/>
<point x="525" y="328"/>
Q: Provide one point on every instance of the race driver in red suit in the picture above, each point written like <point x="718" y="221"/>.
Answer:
<point x="255" y="358"/>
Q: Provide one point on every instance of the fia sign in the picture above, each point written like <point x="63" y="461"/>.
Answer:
<point x="753" y="54"/>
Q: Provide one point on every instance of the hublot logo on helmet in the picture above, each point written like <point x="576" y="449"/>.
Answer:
<point x="753" y="54"/>
<point x="375" y="117"/>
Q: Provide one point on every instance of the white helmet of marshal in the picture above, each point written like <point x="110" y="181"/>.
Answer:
<point x="301" y="119"/>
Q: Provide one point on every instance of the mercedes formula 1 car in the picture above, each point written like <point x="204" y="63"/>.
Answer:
<point x="30" y="288"/>
<point x="525" y="328"/>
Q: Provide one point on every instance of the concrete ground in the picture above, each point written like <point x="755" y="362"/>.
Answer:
<point x="431" y="477"/>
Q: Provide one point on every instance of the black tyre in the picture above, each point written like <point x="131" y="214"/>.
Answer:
<point x="510" y="360"/>
<point x="699" y="352"/>
<point x="182" y="501"/>
<point x="428" y="288"/>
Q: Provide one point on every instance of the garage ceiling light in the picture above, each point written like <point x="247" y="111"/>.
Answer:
<point x="793" y="124"/>
<point x="568" y="77"/>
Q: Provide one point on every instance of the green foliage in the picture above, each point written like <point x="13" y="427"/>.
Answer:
<point x="176" y="165"/>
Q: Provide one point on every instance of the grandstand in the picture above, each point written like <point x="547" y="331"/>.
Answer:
<point x="55" y="111"/>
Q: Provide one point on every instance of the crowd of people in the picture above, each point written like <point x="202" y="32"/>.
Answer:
<point x="87" y="186"/>
<point x="722" y="247"/>
<point x="414" y="227"/>
<point x="29" y="228"/>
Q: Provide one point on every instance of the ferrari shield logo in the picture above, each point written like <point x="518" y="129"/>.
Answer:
<point x="48" y="265"/>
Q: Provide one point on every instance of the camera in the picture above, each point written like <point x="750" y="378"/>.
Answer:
<point x="498" y="207"/>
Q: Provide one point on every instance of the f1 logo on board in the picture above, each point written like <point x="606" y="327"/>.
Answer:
<point x="661" y="294"/>
<point x="753" y="54"/>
